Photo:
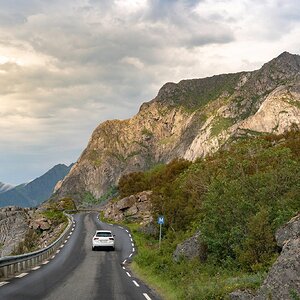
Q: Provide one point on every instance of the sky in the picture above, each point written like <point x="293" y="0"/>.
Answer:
<point x="66" y="66"/>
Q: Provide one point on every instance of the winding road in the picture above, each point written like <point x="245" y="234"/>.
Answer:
<point x="77" y="272"/>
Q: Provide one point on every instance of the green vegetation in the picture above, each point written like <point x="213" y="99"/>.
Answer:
<point x="237" y="198"/>
<point x="221" y="124"/>
<point x="147" y="132"/>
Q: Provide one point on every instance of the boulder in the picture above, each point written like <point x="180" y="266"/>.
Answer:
<point x="191" y="248"/>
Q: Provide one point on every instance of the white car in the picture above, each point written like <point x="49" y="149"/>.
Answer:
<point x="103" y="238"/>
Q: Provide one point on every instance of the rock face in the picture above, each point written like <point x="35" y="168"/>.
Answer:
<point x="13" y="226"/>
<point x="135" y="207"/>
<point x="191" y="248"/>
<point x="283" y="280"/>
<point x="189" y="119"/>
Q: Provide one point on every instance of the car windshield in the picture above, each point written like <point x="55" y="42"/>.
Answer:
<point x="103" y="234"/>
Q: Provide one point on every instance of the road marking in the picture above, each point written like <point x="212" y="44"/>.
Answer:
<point x="127" y="231"/>
<point x="61" y="246"/>
<point x="120" y="227"/>
<point x="35" y="268"/>
<point x="111" y="224"/>
<point x="22" y="275"/>
<point x="52" y="256"/>
<point x="128" y="274"/>
<point x="57" y="251"/>
<point x="71" y="233"/>
<point x="132" y="244"/>
<point x="124" y="262"/>
<point x="130" y="255"/>
<point x="45" y="262"/>
<point x="146" y="296"/>
<point x="3" y="283"/>
<point x="133" y="249"/>
<point x="65" y="241"/>
<point x="131" y="240"/>
<point x="123" y="268"/>
<point x="72" y="229"/>
<point x="135" y="283"/>
<point x="129" y="235"/>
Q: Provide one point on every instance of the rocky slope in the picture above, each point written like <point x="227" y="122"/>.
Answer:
<point x="35" y="192"/>
<point x="5" y="187"/>
<point x="189" y="119"/>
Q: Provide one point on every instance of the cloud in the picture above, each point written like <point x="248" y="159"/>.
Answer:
<point x="66" y="66"/>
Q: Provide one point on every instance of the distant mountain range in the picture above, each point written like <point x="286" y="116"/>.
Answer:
<point x="35" y="192"/>
<point x="4" y="187"/>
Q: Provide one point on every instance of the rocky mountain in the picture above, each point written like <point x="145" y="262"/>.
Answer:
<point x="5" y="187"/>
<point x="36" y="191"/>
<point x="189" y="119"/>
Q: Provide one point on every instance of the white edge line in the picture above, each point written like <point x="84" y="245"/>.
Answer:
<point x="58" y="251"/>
<point x="45" y="262"/>
<point x="132" y="244"/>
<point x="123" y="268"/>
<point x="3" y="283"/>
<point x="120" y="227"/>
<point x="129" y="235"/>
<point x="35" y="268"/>
<point x="22" y="275"/>
<point x="128" y="274"/>
<point x="146" y="296"/>
<point x="135" y="283"/>
<point x="127" y="230"/>
<point x="124" y="262"/>
<point x="130" y="255"/>
<point x="133" y="249"/>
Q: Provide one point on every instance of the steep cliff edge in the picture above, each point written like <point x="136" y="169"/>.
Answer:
<point x="190" y="119"/>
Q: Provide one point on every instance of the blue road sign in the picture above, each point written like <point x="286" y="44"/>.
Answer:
<point x="161" y="220"/>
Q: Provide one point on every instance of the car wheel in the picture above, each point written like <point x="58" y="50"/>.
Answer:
<point x="93" y="249"/>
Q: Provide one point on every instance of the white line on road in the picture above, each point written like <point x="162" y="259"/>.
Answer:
<point x="127" y="230"/>
<point x="133" y="249"/>
<point x="3" y="283"/>
<point x="135" y="283"/>
<point x="61" y="246"/>
<point x="130" y="255"/>
<point x="35" y="268"/>
<point x="65" y="241"/>
<point x="111" y="224"/>
<point x="22" y="275"/>
<point x="120" y="227"/>
<point x="132" y="244"/>
<point x="45" y="262"/>
<point x="129" y="235"/>
<point x="146" y="296"/>
<point x="131" y="240"/>
<point x="128" y="274"/>
<point x="52" y="256"/>
<point x="57" y="251"/>
<point x="71" y="233"/>
<point x="72" y="229"/>
<point x="124" y="262"/>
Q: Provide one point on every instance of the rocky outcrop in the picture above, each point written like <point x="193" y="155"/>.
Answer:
<point x="190" y="249"/>
<point x="190" y="119"/>
<point x="283" y="280"/>
<point x="14" y="223"/>
<point x="135" y="208"/>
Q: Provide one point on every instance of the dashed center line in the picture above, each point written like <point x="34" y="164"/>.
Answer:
<point x="22" y="275"/>
<point x="135" y="283"/>
<point x="3" y="283"/>
<point x="146" y="296"/>
<point x="35" y="268"/>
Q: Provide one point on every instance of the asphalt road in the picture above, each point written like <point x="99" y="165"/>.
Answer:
<point x="77" y="272"/>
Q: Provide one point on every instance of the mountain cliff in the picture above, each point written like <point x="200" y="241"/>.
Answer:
<point x="36" y="191"/>
<point x="190" y="119"/>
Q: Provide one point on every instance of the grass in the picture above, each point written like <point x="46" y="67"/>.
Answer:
<point x="220" y="124"/>
<point x="186" y="279"/>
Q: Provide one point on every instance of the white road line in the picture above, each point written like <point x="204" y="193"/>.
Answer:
<point x="127" y="230"/>
<point x="22" y="275"/>
<point x="120" y="227"/>
<point x="65" y="241"/>
<point x="133" y="249"/>
<point x="111" y="224"/>
<point x="35" y="268"/>
<point x="123" y="268"/>
<point x="124" y="262"/>
<point x="52" y="256"/>
<point x="129" y="235"/>
<point x="132" y="244"/>
<point x="128" y="274"/>
<point x="72" y="229"/>
<point x="3" y="283"/>
<point x="45" y="262"/>
<point x="135" y="283"/>
<point x="131" y="240"/>
<point x="61" y="246"/>
<point x="146" y="296"/>
<point x="57" y="251"/>
<point x="130" y="255"/>
<point x="71" y="233"/>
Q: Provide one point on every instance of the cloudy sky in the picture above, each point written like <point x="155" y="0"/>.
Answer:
<point x="66" y="66"/>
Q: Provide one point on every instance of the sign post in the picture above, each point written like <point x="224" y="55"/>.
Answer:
<point x="160" y="221"/>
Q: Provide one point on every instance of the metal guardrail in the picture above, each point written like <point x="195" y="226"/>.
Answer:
<point x="11" y="265"/>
